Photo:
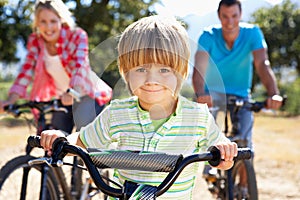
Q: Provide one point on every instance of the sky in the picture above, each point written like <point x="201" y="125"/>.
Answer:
<point x="183" y="8"/>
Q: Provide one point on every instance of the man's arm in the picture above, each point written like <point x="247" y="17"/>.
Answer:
<point x="201" y="61"/>
<point x="267" y="77"/>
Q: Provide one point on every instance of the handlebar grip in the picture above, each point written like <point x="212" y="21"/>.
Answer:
<point x="34" y="141"/>
<point x="243" y="154"/>
<point x="149" y="161"/>
<point x="257" y="106"/>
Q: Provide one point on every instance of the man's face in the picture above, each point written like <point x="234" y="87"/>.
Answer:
<point x="230" y="17"/>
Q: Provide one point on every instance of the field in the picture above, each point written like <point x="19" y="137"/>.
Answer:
<point x="277" y="156"/>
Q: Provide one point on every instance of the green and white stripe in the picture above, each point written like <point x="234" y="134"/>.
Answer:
<point x="190" y="130"/>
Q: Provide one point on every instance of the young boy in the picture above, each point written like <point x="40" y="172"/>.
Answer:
<point x="153" y="60"/>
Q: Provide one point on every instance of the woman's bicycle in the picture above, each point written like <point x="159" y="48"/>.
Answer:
<point x="96" y="159"/>
<point x="238" y="183"/>
<point x="19" y="180"/>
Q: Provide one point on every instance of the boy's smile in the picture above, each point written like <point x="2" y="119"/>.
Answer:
<point x="153" y="84"/>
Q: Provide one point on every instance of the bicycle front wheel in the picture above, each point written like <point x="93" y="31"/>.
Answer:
<point x="18" y="180"/>
<point x="244" y="181"/>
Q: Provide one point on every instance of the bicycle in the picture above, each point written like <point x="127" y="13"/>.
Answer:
<point x="225" y="185"/>
<point x="96" y="159"/>
<point x="53" y="184"/>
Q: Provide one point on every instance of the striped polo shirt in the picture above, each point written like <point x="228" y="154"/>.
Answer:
<point x="191" y="129"/>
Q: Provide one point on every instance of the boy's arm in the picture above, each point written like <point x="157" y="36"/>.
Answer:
<point x="215" y="137"/>
<point x="74" y="139"/>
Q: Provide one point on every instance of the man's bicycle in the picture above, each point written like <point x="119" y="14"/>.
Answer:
<point x="239" y="182"/>
<point x="96" y="159"/>
<point x="19" y="180"/>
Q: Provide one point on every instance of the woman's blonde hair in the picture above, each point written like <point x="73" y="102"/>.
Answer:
<point x="57" y="7"/>
<point x="154" y="39"/>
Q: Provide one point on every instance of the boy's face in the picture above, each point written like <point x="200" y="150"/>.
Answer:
<point x="152" y="84"/>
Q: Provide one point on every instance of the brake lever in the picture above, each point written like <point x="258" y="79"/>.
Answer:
<point x="45" y="160"/>
<point x="55" y="107"/>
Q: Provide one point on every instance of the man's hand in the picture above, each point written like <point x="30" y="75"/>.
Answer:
<point x="274" y="102"/>
<point x="205" y="99"/>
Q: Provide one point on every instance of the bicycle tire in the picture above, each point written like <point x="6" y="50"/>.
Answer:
<point x="251" y="180"/>
<point x="10" y="180"/>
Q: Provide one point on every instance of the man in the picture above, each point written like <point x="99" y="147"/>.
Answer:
<point x="229" y="51"/>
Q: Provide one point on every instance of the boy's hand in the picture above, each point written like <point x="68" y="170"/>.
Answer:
<point x="228" y="151"/>
<point x="48" y="137"/>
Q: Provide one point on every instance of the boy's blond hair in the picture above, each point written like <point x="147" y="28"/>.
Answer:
<point x="157" y="40"/>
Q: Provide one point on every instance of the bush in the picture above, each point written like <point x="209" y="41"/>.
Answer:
<point x="4" y="87"/>
<point x="292" y="105"/>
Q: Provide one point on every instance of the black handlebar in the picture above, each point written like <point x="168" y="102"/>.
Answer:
<point x="145" y="161"/>
<point x="251" y="104"/>
<point x="41" y="106"/>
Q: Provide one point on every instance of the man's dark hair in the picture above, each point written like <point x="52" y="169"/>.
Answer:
<point x="230" y="3"/>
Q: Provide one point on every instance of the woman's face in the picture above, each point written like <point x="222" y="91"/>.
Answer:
<point x="49" y="25"/>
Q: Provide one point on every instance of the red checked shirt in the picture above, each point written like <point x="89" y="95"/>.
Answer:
<point x="72" y="49"/>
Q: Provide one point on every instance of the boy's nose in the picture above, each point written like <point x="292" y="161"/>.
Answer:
<point x="151" y="78"/>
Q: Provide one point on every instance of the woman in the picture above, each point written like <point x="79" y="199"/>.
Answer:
<point x="57" y="59"/>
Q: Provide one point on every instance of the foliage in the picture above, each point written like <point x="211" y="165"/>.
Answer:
<point x="292" y="106"/>
<point x="4" y="87"/>
<point x="282" y="33"/>
<point x="280" y="25"/>
<point x="15" y="26"/>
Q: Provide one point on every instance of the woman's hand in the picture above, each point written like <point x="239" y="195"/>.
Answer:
<point x="228" y="151"/>
<point x="2" y="104"/>
<point x="48" y="137"/>
<point x="66" y="99"/>
<point x="12" y="98"/>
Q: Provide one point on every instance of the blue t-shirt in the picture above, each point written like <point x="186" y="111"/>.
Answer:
<point x="231" y="71"/>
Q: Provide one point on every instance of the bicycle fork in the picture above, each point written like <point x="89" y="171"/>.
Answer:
<point x="24" y="182"/>
<point x="43" y="191"/>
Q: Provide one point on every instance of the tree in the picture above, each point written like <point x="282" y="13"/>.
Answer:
<point x="102" y="19"/>
<point x="15" y="26"/>
<point x="280" y="25"/>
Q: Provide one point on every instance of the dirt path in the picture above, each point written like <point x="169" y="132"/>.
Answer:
<point x="276" y="162"/>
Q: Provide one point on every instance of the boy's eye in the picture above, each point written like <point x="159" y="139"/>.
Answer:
<point x="165" y="70"/>
<point x="141" y="70"/>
